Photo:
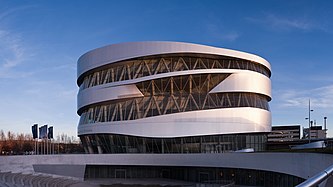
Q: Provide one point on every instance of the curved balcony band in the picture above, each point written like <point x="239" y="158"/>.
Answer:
<point x="124" y="51"/>
<point x="187" y="124"/>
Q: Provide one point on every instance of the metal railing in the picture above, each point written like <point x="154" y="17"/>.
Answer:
<point x="318" y="178"/>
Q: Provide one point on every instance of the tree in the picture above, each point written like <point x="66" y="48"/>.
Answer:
<point x="2" y="140"/>
<point x="27" y="147"/>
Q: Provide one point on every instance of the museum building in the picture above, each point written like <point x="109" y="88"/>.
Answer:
<point x="172" y="97"/>
<point x="157" y="101"/>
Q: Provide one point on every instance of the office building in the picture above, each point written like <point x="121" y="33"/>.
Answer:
<point x="285" y="133"/>
<point x="316" y="132"/>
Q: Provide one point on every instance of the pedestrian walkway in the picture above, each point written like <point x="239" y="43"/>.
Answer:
<point x="8" y="179"/>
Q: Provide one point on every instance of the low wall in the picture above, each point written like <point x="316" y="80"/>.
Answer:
<point x="303" y="165"/>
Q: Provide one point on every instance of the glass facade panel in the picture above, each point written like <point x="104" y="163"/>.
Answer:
<point x="111" y="143"/>
<point x="200" y="175"/>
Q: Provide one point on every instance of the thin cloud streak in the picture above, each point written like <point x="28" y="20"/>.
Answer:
<point x="320" y="98"/>
<point x="13" y="53"/>
<point x="8" y="12"/>
<point x="286" y="24"/>
<point x="17" y="53"/>
<point x="219" y="34"/>
<point x="13" y="50"/>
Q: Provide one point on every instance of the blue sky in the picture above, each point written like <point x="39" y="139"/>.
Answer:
<point x="40" y="42"/>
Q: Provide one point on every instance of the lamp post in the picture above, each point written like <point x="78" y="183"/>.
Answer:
<point x="325" y="121"/>
<point x="309" y="118"/>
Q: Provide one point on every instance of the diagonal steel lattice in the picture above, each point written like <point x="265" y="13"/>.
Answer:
<point x="172" y="95"/>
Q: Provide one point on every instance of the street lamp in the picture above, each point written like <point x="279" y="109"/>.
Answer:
<point x="309" y="118"/>
<point x="325" y="121"/>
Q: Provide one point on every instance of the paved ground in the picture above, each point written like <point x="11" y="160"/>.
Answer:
<point x="8" y="179"/>
<point x="147" y="182"/>
<point x="151" y="182"/>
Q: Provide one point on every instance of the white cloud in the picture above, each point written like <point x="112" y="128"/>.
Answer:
<point x="12" y="49"/>
<point x="220" y="34"/>
<point x="8" y="12"/>
<point x="284" y="23"/>
<point x="13" y="52"/>
<point x="321" y="97"/>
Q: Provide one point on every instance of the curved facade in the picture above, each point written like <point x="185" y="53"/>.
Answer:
<point x="172" y="97"/>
